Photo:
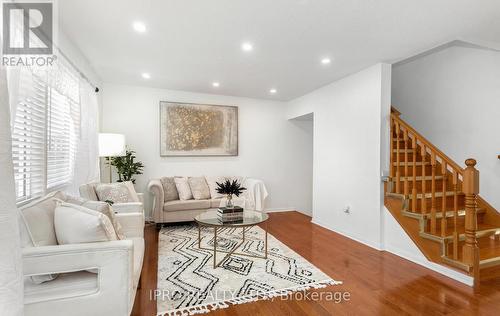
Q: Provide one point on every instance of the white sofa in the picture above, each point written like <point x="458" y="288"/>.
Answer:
<point x="185" y="210"/>
<point x="110" y="291"/>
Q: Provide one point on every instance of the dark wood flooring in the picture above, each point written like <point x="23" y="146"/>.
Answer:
<point x="379" y="282"/>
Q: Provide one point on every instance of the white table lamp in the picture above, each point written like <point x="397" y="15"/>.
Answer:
<point x="111" y="145"/>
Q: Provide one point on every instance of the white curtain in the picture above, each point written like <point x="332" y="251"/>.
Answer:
<point x="11" y="285"/>
<point x="87" y="154"/>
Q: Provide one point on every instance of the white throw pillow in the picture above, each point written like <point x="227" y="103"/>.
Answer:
<point x="39" y="219"/>
<point x="240" y="179"/>
<point x="77" y="224"/>
<point x="212" y="185"/>
<point x="183" y="188"/>
<point x="119" y="192"/>
<point x="99" y="206"/>
<point x="199" y="188"/>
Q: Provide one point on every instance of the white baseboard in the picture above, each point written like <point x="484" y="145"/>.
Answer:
<point x="275" y="210"/>
<point x="455" y="275"/>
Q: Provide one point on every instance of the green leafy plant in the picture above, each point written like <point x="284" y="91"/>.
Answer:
<point x="126" y="167"/>
<point x="230" y="188"/>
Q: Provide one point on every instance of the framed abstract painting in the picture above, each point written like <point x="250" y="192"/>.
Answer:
<point x="188" y="129"/>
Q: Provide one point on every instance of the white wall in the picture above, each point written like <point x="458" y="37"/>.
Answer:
<point x="306" y="124"/>
<point x="270" y="147"/>
<point x="452" y="97"/>
<point x="348" y="151"/>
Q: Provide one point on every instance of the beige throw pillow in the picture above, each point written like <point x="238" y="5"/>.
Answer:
<point x="169" y="189"/>
<point x="199" y="188"/>
<point x="212" y="185"/>
<point x="78" y="224"/>
<point x="119" y="192"/>
<point x="182" y="185"/>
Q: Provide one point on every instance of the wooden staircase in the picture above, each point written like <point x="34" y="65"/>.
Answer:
<point x="436" y="201"/>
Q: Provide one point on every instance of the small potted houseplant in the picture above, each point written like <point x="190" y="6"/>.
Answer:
<point x="127" y="167"/>
<point x="230" y="188"/>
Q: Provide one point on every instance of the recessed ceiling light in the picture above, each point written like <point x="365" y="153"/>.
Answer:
<point x="139" y="27"/>
<point x="146" y="75"/>
<point x="215" y="84"/>
<point x="247" y="47"/>
<point x="326" y="61"/>
<point x="273" y="91"/>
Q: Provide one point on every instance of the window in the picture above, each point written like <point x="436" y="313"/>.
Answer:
<point x="45" y="131"/>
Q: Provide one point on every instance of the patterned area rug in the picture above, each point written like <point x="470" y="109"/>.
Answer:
<point x="188" y="284"/>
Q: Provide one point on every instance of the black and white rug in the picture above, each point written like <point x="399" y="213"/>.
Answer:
<point x="188" y="284"/>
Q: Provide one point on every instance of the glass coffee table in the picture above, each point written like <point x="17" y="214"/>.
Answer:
<point x="250" y="219"/>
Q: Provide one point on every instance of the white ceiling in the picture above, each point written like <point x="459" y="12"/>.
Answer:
<point x="189" y="43"/>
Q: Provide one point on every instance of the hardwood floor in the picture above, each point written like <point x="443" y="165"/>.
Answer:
<point x="379" y="283"/>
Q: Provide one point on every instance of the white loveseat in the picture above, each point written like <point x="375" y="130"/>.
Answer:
<point x="110" y="286"/>
<point x="185" y="210"/>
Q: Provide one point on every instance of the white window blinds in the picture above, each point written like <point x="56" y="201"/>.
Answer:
<point x="45" y="131"/>
<point x="29" y="135"/>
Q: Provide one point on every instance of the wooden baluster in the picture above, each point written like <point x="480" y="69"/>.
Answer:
<point x="433" y="193"/>
<point x="455" y="214"/>
<point x="398" y="174"/>
<point x="423" y="206"/>
<point x="414" y="173"/>
<point x="406" y="187"/>
<point x="444" y="222"/>
<point x="471" y="190"/>
<point x="391" y="170"/>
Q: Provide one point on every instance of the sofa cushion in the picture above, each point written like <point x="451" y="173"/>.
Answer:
<point x="215" y="203"/>
<point x="169" y="189"/>
<point x="77" y="224"/>
<point x="183" y="188"/>
<point x="102" y="207"/>
<point x="180" y="205"/>
<point x="119" y="192"/>
<point x="212" y="185"/>
<point x="199" y="188"/>
<point x="87" y="191"/>
<point x="39" y="219"/>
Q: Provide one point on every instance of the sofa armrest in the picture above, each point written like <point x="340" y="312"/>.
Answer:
<point x="75" y="257"/>
<point x="113" y="260"/>
<point x="129" y="207"/>
<point x="132" y="224"/>
<point x="156" y="188"/>
<point x="141" y="197"/>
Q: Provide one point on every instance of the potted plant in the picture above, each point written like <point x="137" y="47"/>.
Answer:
<point x="126" y="167"/>
<point x="230" y="188"/>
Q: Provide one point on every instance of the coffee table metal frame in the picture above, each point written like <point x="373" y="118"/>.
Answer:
<point x="245" y="228"/>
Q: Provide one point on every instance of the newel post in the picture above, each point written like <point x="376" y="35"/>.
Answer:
<point x="471" y="190"/>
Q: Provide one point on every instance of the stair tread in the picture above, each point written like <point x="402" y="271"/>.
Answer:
<point x="437" y="194"/>
<point x="410" y="163"/>
<point x="419" y="178"/>
<point x="489" y="252"/>
<point x="449" y="214"/>
<point x="481" y="228"/>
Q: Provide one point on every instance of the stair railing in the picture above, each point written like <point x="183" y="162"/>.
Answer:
<point x="465" y="180"/>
